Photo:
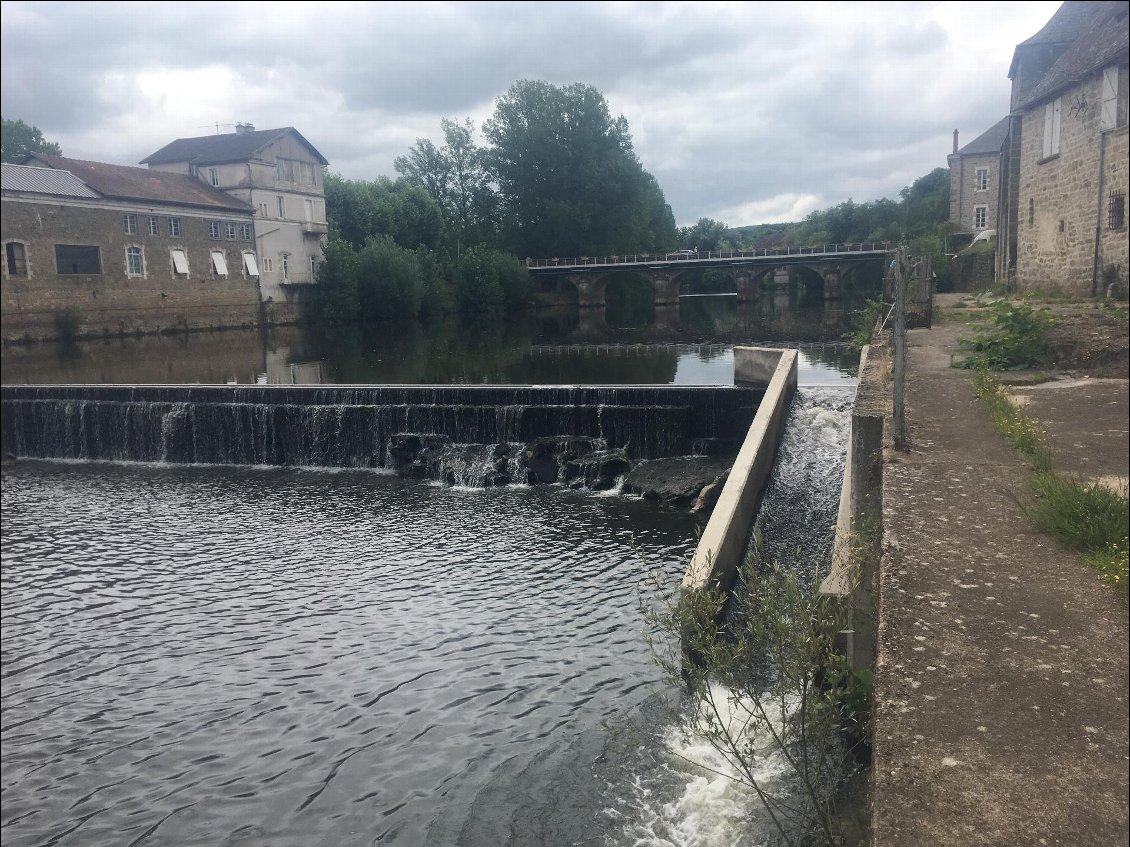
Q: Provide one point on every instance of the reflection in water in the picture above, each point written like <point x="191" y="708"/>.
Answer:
<point x="641" y="344"/>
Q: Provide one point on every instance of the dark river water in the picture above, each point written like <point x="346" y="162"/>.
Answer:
<point x="232" y="656"/>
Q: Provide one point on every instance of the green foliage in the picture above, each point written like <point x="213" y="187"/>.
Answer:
<point x="1016" y="339"/>
<point x="770" y="684"/>
<point x="865" y="322"/>
<point x="389" y="281"/>
<point x="337" y="284"/>
<point x="1019" y="428"/>
<point x="1088" y="517"/>
<point x="488" y="280"/>
<point x="569" y="182"/>
<point x="19" y="140"/>
<point x="705" y="235"/>
<point x="359" y="210"/>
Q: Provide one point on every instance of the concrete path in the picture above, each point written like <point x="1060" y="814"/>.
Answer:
<point x="1001" y="713"/>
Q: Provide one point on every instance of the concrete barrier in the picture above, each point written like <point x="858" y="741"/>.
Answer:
<point x="722" y="547"/>
<point x="853" y="576"/>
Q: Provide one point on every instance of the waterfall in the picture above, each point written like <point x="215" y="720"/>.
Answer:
<point x="483" y="428"/>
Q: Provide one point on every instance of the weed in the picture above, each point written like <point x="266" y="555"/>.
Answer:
<point x="1016" y="339"/>
<point x="866" y="321"/>
<point x="1088" y="517"/>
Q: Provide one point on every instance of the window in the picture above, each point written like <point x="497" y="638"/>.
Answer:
<point x="249" y="266"/>
<point x="1051" y="128"/>
<point x="77" y="259"/>
<point x="309" y="174"/>
<point x="214" y="176"/>
<point x="981" y="179"/>
<point x="980" y="217"/>
<point x="263" y="209"/>
<point x="284" y="170"/>
<point x="180" y="262"/>
<point x="286" y="268"/>
<point x="268" y="265"/>
<point x="16" y="254"/>
<point x="1116" y="211"/>
<point x="1109" y="119"/>
<point x="230" y="231"/>
<point x="309" y="208"/>
<point x="174" y="227"/>
<point x="1031" y="212"/>
<point x="131" y="224"/>
<point x="135" y="262"/>
<point x="313" y="268"/>
<point x="245" y="232"/>
<point x="213" y="229"/>
<point x="219" y="263"/>
<point x="282" y="206"/>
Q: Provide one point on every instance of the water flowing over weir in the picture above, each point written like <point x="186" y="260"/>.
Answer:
<point x="356" y="426"/>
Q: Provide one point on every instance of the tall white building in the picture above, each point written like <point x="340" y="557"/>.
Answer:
<point x="279" y="174"/>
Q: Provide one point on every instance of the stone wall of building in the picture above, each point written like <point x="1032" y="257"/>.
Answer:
<point x="113" y="302"/>
<point x="965" y="196"/>
<point x="1115" y="245"/>
<point x="1058" y="197"/>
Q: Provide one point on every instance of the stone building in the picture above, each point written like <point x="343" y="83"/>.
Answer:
<point x="94" y="248"/>
<point x="278" y="173"/>
<point x="975" y="181"/>
<point x="1063" y="217"/>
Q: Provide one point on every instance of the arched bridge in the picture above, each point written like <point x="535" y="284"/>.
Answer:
<point x="590" y="275"/>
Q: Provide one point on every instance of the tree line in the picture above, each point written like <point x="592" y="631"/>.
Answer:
<point x="553" y="174"/>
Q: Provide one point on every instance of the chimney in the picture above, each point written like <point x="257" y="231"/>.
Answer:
<point x="243" y="129"/>
<point x="954" y="140"/>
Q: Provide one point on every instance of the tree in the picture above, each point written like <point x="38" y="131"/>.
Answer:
<point x="18" y="141"/>
<point x="705" y="235"/>
<point x="569" y="182"/>
<point x="359" y="210"/>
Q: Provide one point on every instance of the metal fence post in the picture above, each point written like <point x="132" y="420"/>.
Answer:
<point x="899" y="333"/>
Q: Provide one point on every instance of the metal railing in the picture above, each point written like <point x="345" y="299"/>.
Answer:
<point x="712" y="255"/>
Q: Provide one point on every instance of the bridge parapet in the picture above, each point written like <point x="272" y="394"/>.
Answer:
<point x="713" y="258"/>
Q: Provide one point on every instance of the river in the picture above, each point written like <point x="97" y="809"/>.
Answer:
<point x="219" y="655"/>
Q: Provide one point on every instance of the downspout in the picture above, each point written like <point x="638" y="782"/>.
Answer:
<point x="1098" y="215"/>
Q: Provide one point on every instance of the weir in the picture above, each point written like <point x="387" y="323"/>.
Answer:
<point x="362" y="426"/>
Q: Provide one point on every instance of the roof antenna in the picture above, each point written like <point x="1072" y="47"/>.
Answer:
<point x="217" y="125"/>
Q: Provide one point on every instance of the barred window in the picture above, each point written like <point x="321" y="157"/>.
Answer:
<point x="1116" y="211"/>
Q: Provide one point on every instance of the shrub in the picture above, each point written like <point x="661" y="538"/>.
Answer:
<point x="1016" y="339"/>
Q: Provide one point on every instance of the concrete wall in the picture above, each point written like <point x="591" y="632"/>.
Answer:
<point x="1060" y="198"/>
<point x="114" y="301"/>
<point x="854" y="576"/>
<point x="722" y="546"/>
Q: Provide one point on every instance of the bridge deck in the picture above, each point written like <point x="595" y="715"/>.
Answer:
<point x="711" y="259"/>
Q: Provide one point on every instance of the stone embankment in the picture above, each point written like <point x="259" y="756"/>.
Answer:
<point x="1001" y="713"/>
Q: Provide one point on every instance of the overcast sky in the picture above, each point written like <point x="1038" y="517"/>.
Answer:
<point x="744" y="112"/>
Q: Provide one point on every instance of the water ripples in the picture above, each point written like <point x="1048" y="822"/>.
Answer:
<point x="222" y="656"/>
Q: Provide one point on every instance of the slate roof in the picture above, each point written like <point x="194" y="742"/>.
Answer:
<point x="1098" y="37"/>
<point x="218" y="149"/>
<point x="990" y="141"/>
<point x="32" y="180"/>
<point x="120" y="182"/>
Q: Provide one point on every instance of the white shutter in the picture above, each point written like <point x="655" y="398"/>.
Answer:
<point x="1048" y="117"/>
<point x="1110" y="98"/>
<point x="1055" y="125"/>
<point x="250" y="265"/>
<point x="219" y="263"/>
<point x="180" y="262"/>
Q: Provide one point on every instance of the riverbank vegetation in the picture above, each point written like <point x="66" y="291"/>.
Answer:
<point x="766" y="689"/>
<point x="554" y="174"/>
<point x="1091" y="518"/>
